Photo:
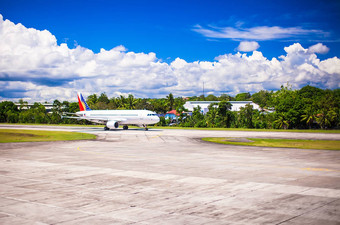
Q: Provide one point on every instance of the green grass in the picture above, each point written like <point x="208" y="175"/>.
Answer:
<point x="188" y="128"/>
<point x="278" y="143"/>
<point x="12" y="135"/>
<point x="44" y="124"/>
<point x="247" y="129"/>
<point x="61" y="125"/>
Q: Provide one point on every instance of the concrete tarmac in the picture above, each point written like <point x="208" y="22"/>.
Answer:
<point x="167" y="177"/>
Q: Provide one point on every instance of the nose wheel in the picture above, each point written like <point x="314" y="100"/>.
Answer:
<point x="125" y="127"/>
<point x="145" y="127"/>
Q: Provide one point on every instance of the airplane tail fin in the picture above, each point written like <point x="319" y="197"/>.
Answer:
<point x="82" y="103"/>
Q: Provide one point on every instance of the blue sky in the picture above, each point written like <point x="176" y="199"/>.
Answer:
<point x="167" y="27"/>
<point x="172" y="33"/>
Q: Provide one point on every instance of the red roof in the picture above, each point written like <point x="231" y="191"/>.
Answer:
<point x="173" y="112"/>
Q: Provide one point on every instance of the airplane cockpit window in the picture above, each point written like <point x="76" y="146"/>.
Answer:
<point x="152" y="114"/>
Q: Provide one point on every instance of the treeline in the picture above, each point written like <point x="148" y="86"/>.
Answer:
<point x="10" y="113"/>
<point x="309" y="107"/>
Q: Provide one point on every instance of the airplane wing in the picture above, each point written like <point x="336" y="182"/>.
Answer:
<point x="72" y="117"/>
<point x="96" y="119"/>
<point x="105" y="120"/>
<point x="68" y="113"/>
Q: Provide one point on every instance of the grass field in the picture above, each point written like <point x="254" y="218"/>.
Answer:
<point x="279" y="143"/>
<point x="44" y="124"/>
<point x="247" y="129"/>
<point x="188" y="128"/>
<point x="12" y="135"/>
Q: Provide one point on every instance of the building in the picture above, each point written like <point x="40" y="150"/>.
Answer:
<point x="48" y="106"/>
<point x="235" y="105"/>
<point x="172" y="115"/>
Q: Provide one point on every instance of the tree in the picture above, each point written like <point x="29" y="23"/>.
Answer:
<point x="243" y="97"/>
<point x="170" y="101"/>
<point x="179" y="102"/>
<point x="309" y="116"/>
<point x="8" y="109"/>
<point x="198" y="118"/>
<point x="101" y="105"/>
<point x="73" y="107"/>
<point x="130" y="102"/>
<point x="201" y="98"/>
<point x="57" y="106"/>
<point x="289" y="105"/>
<point x="143" y="104"/>
<point x="325" y="118"/>
<point x="120" y="101"/>
<point x="262" y="98"/>
<point x="224" y="97"/>
<point x="35" y="114"/>
<point x="92" y="100"/>
<point x="57" y="111"/>
<point x="39" y="113"/>
<point x="310" y="92"/>
<point x="211" y="98"/>
<point x="328" y="110"/>
<point x="103" y="98"/>
<point x="26" y="116"/>
<point x="281" y="121"/>
<point x="224" y="115"/>
<point x="182" y="113"/>
<point x="159" y="105"/>
<point x="246" y="116"/>
<point x="12" y="117"/>
<point x="262" y="119"/>
<point x="211" y="115"/>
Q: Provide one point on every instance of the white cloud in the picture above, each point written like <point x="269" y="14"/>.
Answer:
<point x="318" y="48"/>
<point x="248" y="46"/>
<point x="256" y="33"/>
<point x="33" y="66"/>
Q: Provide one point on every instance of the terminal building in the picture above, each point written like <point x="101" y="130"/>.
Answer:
<point x="235" y="105"/>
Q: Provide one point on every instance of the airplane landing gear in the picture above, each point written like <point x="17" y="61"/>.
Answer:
<point x="106" y="128"/>
<point x="125" y="127"/>
<point x="145" y="127"/>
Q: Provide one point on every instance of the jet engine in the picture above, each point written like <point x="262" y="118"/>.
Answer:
<point x="112" y="124"/>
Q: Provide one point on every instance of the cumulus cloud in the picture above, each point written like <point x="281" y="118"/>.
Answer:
<point x="256" y="33"/>
<point x="248" y="46"/>
<point x="34" y="67"/>
<point x="318" y="48"/>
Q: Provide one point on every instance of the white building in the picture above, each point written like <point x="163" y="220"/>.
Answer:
<point x="48" y="106"/>
<point x="235" y="105"/>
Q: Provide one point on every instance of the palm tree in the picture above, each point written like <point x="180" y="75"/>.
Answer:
<point x="120" y="102"/>
<point x="212" y="115"/>
<point x="325" y="117"/>
<point x="170" y="101"/>
<point x="282" y="121"/>
<point x="130" y="102"/>
<point x="309" y="116"/>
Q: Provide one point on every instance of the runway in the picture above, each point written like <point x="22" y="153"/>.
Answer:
<point x="167" y="177"/>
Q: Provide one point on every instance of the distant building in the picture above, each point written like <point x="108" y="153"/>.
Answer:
<point x="48" y="106"/>
<point x="235" y="105"/>
<point x="172" y="115"/>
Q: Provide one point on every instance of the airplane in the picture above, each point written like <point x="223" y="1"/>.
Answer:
<point x="113" y="118"/>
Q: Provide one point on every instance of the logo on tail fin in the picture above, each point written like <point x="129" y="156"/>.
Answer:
<point x="82" y="103"/>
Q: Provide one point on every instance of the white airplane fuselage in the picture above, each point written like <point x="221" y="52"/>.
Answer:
<point x="113" y="118"/>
